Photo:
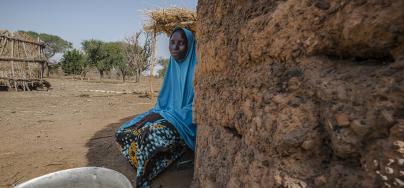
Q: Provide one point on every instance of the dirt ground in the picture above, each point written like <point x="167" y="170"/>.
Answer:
<point x="72" y="125"/>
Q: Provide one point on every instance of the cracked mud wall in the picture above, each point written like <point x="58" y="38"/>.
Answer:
<point x="300" y="93"/>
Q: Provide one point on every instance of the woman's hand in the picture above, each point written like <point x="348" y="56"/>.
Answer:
<point x="149" y="118"/>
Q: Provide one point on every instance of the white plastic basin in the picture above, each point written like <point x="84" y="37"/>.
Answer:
<point x="91" y="177"/>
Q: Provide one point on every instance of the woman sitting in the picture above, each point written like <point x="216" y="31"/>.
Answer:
<point x="154" y="139"/>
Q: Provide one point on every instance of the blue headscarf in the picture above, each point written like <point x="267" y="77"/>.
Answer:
<point x="174" y="102"/>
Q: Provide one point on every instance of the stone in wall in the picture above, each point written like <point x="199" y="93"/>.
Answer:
<point x="300" y="93"/>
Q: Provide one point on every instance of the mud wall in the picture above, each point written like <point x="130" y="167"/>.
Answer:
<point x="300" y="93"/>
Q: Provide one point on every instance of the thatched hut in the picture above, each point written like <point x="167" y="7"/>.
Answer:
<point x="21" y="59"/>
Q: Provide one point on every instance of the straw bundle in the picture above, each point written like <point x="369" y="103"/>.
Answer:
<point x="165" y="20"/>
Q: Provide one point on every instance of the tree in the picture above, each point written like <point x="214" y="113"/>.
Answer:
<point x="123" y="68"/>
<point x="53" y="44"/>
<point x="136" y="55"/>
<point x="73" y="62"/>
<point x="113" y="57"/>
<point x="95" y="55"/>
<point x="106" y="55"/>
<point x="164" y="64"/>
<point x="85" y="67"/>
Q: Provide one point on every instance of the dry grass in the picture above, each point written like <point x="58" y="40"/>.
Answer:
<point x="21" y="70"/>
<point x="19" y="35"/>
<point x="165" y="20"/>
<point x="21" y="50"/>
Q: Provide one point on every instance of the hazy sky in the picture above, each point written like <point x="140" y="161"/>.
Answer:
<point x="77" y="20"/>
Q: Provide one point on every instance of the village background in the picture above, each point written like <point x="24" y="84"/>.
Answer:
<point x="287" y="93"/>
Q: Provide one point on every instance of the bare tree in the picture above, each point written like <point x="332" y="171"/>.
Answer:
<point x="137" y="55"/>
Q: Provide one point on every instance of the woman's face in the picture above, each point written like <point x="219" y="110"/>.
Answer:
<point x="178" y="45"/>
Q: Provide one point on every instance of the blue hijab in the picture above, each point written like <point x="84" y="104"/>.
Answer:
<point x="174" y="102"/>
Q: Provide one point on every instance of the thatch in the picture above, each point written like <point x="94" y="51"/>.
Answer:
<point x="23" y="62"/>
<point x="23" y="37"/>
<point x="165" y="20"/>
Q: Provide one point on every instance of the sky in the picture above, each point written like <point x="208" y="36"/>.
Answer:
<point x="78" y="20"/>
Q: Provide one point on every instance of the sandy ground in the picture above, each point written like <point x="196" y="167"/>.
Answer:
<point x="71" y="125"/>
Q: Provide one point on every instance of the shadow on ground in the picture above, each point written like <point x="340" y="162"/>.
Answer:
<point x="104" y="152"/>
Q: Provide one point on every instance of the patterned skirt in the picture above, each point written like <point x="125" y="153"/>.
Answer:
<point x="150" y="146"/>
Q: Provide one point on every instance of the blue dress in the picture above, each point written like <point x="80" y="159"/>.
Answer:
<point x="153" y="140"/>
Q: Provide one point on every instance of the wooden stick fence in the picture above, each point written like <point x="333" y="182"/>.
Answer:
<point x="18" y="55"/>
